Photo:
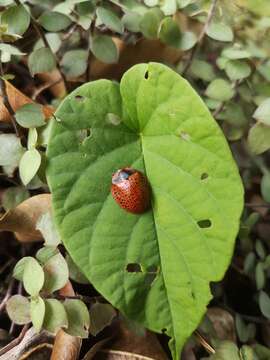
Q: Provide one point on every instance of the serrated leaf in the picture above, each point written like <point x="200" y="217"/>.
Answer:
<point x="29" y="165"/>
<point x="163" y="116"/>
<point x="74" y="62"/>
<point x="150" y="22"/>
<point x="18" y="309"/>
<point x="237" y="70"/>
<point x="169" y="32"/>
<point x="101" y="315"/>
<point x="55" y="316"/>
<point x="56" y="273"/>
<point x="33" y="277"/>
<point x="54" y="21"/>
<point x="219" y="31"/>
<point x="259" y="138"/>
<point x="13" y="196"/>
<point x="41" y="60"/>
<point x="11" y="150"/>
<point x="220" y="90"/>
<point x="30" y="116"/>
<point x="109" y="19"/>
<point x="264" y="303"/>
<point x="45" y="224"/>
<point x="78" y="318"/>
<point x="17" y="18"/>
<point x="37" y="311"/>
<point x="104" y="49"/>
<point x="262" y="113"/>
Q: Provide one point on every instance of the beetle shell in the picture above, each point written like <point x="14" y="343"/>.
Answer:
<point x="131" y="190"/>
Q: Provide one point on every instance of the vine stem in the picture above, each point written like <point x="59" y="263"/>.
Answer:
<point x="201" y="36"/>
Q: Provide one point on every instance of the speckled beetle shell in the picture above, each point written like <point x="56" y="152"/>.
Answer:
<point x="131" y="190"/>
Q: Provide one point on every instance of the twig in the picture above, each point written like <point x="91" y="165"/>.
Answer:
<point x="14" y="342"/>
<point x="204" y="343"/>
<point x="8" y="295"/>
<point x="201" y="35"/>
<point x="6" y="100"/>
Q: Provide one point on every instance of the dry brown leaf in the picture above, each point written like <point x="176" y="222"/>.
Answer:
<point x="17" y="99"/>
<point x="66" y="347"/>
<point x="223" y="323"/>
<point x="22" y="220"/>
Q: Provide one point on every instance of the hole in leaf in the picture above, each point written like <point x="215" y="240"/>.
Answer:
<point x="204" y="176"/>
<point x="84" y="134"/>
<point x="146" y="75"/>
<point x="79" y="97"/>
<point x="204" y="223"/>
<point x="184" y="135"/>
<point x="164" y="330"/>
<point x="133" y="268"/>
<point x="113" y="119"/>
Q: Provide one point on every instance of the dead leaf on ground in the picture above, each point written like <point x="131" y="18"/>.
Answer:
<point x="18" y="99"/>
<point x="23" y="219"/>
<point x="66" y="347"/>
<point x="223" y="323"/>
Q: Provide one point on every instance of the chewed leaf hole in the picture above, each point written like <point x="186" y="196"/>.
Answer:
<point x="204" y="176"/>
<point x="113" y="119"/>
<point x="146" y="75"/>
<point x="84" y="134"/>
<point x="79" y="97"/>
<point x="184" y="135"/>
<point x="204" y="223"/>
<point x="133" y="268"/>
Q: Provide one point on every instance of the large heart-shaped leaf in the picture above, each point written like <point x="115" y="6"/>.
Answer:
<point x="155" y="267"/>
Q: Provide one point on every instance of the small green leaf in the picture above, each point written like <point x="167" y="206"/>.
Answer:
<point x="262" y="113"/>
<point x="219" y="31"/>
<point x="202" y="70"/>
<point x="74" y="273"/>
<point x="11" y="150"/>
<point x="169" y="7"/>
<point x="55" y="316"/>
<point x="56" y="273"/>
<point x="151" y="3"/>
<point x="74" y="62"/>
<point x="41" y="60"/>
<point x="237" y="70"/>
<point x="45" y="224"/>
<point x="261" y="351"/>
<point x="131" y="21"/>
<point x="188" y="40"/>
<point x="109" y="19"/>
<point x="30" y="115"/>
<point x="234" y="53"/>
<point x="54" y="41"/>
<point x="19" y="268"/>
<point x="17" y="18"/>
<point x="37" y="311"/>
<point x="265" y="187"/>
<point x="246" y="353"/>
<point x="259" y="138"/>
<point x="101" y="315"/>
<point x="78" y="318"/>
<point x="259" y="276"/>
<point x="226" y="350"/>
<point x="169" y="32"/>
<point x="260" y="250"/>
<point x="220" y="90"/>
<point x="104" y="49"/>
<point x="249" y="263"/>
<point x="13" y="196"/>
<point x="54" y="21"/>
<point x="264" y="303"/>
<point x="241" y="329"/>
<point x="32" y="138"/>
<point x="18" y="309"/>
<point x="29" y="165"/>
<point x="6" y="51"/>
<point x="33" y="277"/>
<point x="150" y="23"/>
<point x="234" y="115"/>
<point x="45" y="253"/>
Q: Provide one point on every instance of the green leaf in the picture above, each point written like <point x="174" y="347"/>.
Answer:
<point x="54" y="21"/>
<point x="131" y="21"/>
<point x="56" y="273"/>
<point x="265" y="187"/>
<point x="19" y="268"/>
<point x="17" y="18"/>
<point x="30" y="115"/>
<point x="262" y="113"/>
<point x="11" y="150"/>
<point x="219" y="31"/>
<point x="45" y="253"/>
<point x="264" y="303"/>
<point x="261" y="351"/>
<point x="169" y="7"/>
<point x="246" y="353"/>
<point x="220" y="90"/>
<point x="259" y="138"/>
<point x="37" y="311"/>
<point x="249" y="263"/>
<point x="29" y="165"/>
<point x="74" y="62"/>
<point x="32" y="138"/>
<point x="104" y="49"/>
<point x="188" y="40"/>
<point x="226" y="350"/>
<point x="6" y="51"/>
<point x="101" y="315"/>
<point x="109" y="19"/>
<point x="237" y="70"/>
<point x="33" y="277"/>
<point x="163" y="120"/>
<point x="54" y="41"/>
<point x="259" y="276"/>
<point x="234" y="53"/>
<point x="41" y="60"/>
<point x="78" y="318"/>
<point x="169" y="32"/>
<point x="150" y="23"/>
<point x="260" y="250"/>
<point x="13" y="196"/>
<point x="151" y="2"/>
<point x="46" y="226"/>
<point x="18" y="309"/>
<point x="55" y="316"/>
<point x="74" y="272"/>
